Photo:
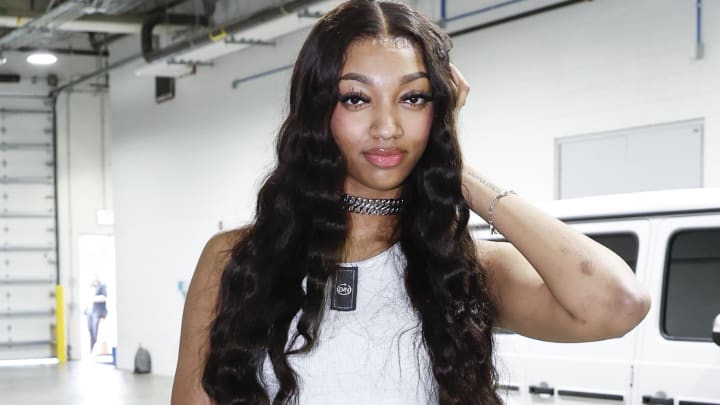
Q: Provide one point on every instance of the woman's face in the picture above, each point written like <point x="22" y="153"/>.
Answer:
<point x="382" y="120"/>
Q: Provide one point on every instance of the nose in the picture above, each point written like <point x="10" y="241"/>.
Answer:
<point x="386" y="124"/>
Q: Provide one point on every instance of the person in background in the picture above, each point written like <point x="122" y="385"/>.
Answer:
<point x="97" y="310"/>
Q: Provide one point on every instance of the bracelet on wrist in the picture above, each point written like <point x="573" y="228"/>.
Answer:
<point x="491" y="209"/>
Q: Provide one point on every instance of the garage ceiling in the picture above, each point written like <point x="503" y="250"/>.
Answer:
<point x="86" y="25"/>
<point x="183" y="34"/>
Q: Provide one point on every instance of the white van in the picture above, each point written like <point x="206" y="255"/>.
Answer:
<point x="672" y="241"/>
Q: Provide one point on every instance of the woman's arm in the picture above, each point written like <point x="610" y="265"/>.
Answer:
<point x="551" y="282"/>
<point x="198" y="313"/>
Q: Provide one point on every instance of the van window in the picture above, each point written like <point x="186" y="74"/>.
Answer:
<point x="624" y="245"/>
<point x="691" y="297"/>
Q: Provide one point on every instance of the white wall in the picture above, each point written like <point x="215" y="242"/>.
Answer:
<point x="182" y="166"/>
<point x="596" y="66"/>
<point x="179" y="168"/>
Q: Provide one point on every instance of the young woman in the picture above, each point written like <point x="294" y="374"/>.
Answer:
<point x="358" y="282"/>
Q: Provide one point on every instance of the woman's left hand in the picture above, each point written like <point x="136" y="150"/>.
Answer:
<point x="462" y="87"/>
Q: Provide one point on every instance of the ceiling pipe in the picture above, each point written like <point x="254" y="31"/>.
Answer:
<point x="69" y="85"/>
<point x="207" y="37"/>
<point x="65" y="51"/>
<point x="94" y="23"/>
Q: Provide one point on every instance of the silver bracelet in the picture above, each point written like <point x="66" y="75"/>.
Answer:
<point x="493" y="203"/>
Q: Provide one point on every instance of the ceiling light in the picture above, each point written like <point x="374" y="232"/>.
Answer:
<point x="3" y="58"/>
<point x="42" y="58"/>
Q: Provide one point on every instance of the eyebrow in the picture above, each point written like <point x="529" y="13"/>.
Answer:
<point x="366" y="80"/>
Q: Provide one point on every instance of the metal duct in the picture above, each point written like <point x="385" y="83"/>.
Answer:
<point x="112" y="7"/>
<point x="97" y="23"/>
<point x="206" y="37"/>
<point x="66" y="16"/>
<point x="28" y="33"/>
<point x="175" y="19"/>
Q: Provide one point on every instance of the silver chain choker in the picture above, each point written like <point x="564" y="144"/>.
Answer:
<point x="370" y="206"/>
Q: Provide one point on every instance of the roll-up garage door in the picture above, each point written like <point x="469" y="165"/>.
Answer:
<point x="28" y="259"/>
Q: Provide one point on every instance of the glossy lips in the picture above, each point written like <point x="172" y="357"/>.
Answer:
<point x="384" y="157"/>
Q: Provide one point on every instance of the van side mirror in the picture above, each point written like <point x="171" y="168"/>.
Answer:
<point x="716" y="330"/>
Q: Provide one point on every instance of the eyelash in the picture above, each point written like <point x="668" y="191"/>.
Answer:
<point x="359" y="96"/>
<point x="417" y="94"/>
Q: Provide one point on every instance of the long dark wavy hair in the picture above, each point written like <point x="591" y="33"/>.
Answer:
<point x="300" y="230"/>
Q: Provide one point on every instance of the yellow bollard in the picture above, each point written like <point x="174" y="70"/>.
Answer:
<point x="60" y="322"/>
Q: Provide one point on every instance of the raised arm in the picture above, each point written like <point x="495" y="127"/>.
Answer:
<point x="551" y="282"/>
<point x="198" y="313"/>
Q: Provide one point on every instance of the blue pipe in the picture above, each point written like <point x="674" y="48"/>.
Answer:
<point x="699" y="21"/>
<point x="445" y="18"/>
<point x="699" y="46"/>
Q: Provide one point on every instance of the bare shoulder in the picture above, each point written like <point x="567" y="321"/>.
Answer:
<point x="198" y="314"/>
<point x="220" y="245"/>
<point x="217" y="251"/>
<point x="213" y="260"/>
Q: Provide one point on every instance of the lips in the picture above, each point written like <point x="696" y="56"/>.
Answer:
<point x="384" y="157"/>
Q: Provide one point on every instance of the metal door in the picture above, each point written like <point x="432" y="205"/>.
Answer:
<point x="28" y="265"/>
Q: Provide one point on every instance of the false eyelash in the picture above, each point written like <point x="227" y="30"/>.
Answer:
<point x="353" y="94"/>
<point x="425" y="96"/>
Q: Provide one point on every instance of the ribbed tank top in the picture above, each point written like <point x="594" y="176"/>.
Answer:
<point x="373" y="355"/>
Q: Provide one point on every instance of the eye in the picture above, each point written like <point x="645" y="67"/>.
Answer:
<point x="354" y="99"/>
<point x="417" y="99"/>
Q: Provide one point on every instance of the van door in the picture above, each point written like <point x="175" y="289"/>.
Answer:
<point x="678" y="364"/>
<point x="580" y="373"/>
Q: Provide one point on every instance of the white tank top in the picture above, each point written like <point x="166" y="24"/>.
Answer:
<point x="372" y="355"/>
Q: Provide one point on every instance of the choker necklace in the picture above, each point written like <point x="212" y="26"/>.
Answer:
<point x="373" y="206"/>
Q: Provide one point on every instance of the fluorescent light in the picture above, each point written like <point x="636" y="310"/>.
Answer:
<point x="42" y="58"/>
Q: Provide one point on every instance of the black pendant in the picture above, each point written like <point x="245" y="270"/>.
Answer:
<point x="344" y="289"/>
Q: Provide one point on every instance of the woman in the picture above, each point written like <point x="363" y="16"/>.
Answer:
<point x="369" y="185"/>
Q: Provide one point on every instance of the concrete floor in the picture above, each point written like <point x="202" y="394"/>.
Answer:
<point x="81" y="383"/>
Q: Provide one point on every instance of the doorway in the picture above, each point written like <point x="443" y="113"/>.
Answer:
<point x="98" y="300"/>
